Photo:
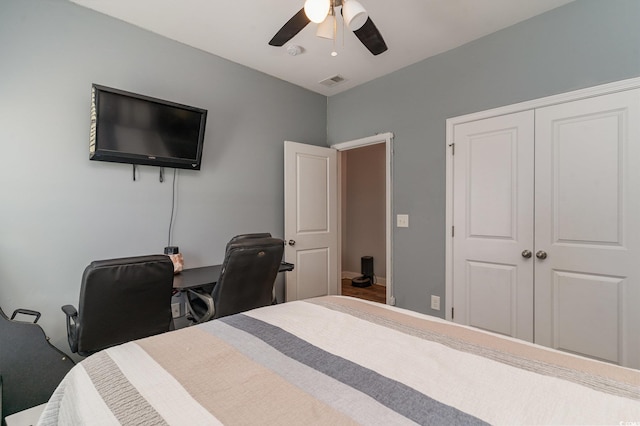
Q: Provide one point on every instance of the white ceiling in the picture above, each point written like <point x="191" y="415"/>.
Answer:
<point x="239" y="31"/>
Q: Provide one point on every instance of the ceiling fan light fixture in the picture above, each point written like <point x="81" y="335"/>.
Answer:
<point x="354" y="14"/>
<point x="317" y="10"/>
<point x="325" y="29"/>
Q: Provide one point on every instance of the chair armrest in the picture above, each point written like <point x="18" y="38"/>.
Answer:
<point x="208" y="301"/>
<point x="70" y="311"/>
<point x="72" y="329"/>
<point x="26" y="312"/>
<point x="286" y="267"/>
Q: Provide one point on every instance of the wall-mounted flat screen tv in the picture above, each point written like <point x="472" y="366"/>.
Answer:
<point x="137" y="129"/>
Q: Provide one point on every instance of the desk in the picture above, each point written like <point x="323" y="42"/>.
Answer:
<point x="196" y="277"/>
<point x="207" y="275"/>
<point x="200" y="277"/>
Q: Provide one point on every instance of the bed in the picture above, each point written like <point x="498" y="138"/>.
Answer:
<point x="339" y="360"/>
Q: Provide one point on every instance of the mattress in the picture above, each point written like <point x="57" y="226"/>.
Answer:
<point x="338" y="360"/>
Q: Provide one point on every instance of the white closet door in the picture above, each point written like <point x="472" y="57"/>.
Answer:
<point x="587" y="221"/>
<point x="493" y="222"/>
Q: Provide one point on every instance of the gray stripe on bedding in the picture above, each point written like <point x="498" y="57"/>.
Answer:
<point x="341" y="397"/>
<point x="392" y="394"/>
<point x="599" y="383"/>
<point x="122" y="398"/>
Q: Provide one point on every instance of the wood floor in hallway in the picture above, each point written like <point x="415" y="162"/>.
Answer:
<point x="374" y="293"/>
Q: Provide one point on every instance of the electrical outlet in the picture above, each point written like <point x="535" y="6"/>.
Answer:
<point x="175" y="310"/>
<point x="435" y="302"/>
<point x="402" y="221"/>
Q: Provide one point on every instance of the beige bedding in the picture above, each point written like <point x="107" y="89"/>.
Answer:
<point x="338" y="360"/>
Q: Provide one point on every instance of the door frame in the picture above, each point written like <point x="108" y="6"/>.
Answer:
<point x="575" y="95"/>
<point x="387" y="139"/>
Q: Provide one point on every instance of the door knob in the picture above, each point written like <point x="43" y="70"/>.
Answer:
<point x="541" y="254"/>
<point x="526" y="254"/>
<point x="292" y="242"/>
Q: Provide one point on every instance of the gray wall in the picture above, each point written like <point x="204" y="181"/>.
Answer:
<point x="59" y="210"/>
<point x="582" y="44"/>
<point x="365" y="205"/>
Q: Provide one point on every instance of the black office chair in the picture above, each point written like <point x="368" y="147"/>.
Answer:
<point x="242" y="237"/>
<point x="121" y="300"/>
<point x="30" y="367"/>
<point x="249" y="270"/>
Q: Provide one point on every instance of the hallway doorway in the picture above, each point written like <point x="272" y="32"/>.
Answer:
<point x="364" y="182"/>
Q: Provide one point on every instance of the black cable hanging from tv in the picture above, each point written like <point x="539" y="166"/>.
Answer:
<point x="173" y="203"/>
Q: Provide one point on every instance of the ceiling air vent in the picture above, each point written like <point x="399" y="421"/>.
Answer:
<point x="332" y="81"/>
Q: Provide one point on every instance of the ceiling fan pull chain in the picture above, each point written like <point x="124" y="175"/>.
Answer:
<point x="335" y="32"/>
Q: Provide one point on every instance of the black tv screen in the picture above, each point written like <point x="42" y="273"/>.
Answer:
<point x="137" y="129"/>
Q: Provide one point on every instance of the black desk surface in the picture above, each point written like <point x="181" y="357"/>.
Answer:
<point x="199" y="277"/>
<point x="196" y="277"/>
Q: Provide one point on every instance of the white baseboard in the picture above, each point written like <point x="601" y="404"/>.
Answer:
<point x="351" y="275"/>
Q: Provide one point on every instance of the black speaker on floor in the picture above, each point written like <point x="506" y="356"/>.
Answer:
<point x="366" y="268"/>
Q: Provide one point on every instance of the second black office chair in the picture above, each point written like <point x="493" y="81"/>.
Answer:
<point x="249" y="270"/>
<point x="121" y="300"/>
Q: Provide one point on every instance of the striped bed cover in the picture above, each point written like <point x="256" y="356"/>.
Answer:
<point x="337" y="360"/>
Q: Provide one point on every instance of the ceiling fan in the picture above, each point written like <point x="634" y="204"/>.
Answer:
<point x="323" y="12"/>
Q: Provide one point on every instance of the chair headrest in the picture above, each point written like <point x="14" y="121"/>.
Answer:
<point x="136" y="260"/>
<point x="255" y="243"/>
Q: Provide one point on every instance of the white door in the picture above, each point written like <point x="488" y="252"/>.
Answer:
<point x="588" y="224"/>
<point x="310" y="220"/>
<point x="493" y="224"/>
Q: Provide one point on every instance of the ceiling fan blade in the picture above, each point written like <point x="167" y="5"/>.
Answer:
<point x="290" y="29"/>
<point x="371" y="37"/>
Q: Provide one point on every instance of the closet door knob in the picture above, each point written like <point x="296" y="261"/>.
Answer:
<point x="526" y="254"/>
<point x="292" y="242"/>
<point x="541" y="254"/>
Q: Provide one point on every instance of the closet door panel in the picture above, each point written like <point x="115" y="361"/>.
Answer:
<point x="491" y="293"/>
<point x="577" y="329"/>
<point x="587" y="217"/>
<point x="587" y="162"/>
<point x="493" y="183"/>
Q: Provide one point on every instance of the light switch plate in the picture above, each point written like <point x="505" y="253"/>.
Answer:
<point x="402" y="221"/>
